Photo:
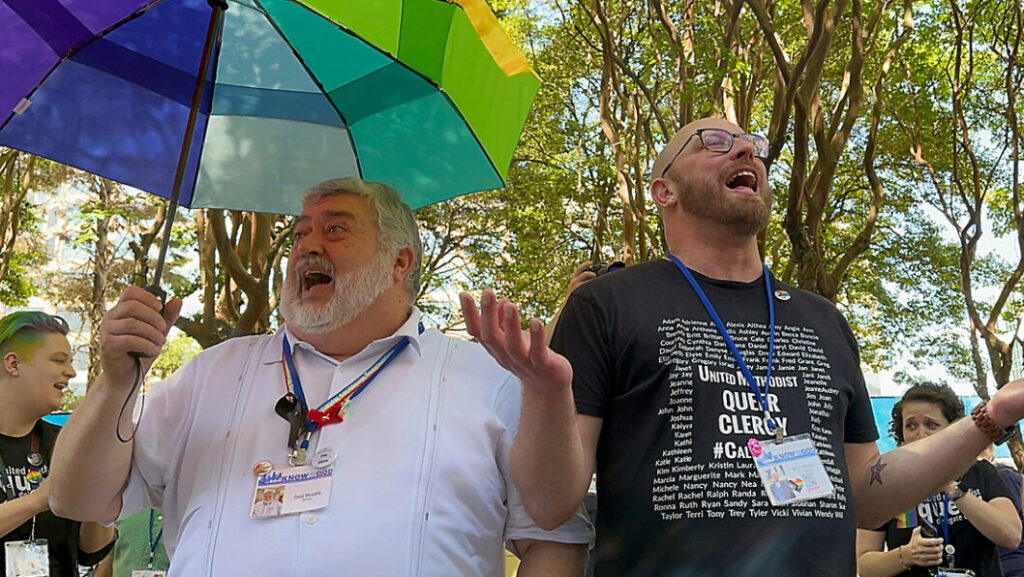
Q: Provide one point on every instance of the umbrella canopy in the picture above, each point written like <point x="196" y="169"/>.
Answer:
<point x="425" y="95"/>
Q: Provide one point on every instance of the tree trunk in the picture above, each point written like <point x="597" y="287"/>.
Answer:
<point x="104" y="191"/>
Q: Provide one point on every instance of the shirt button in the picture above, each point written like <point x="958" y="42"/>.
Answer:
<point x="310" y="519"/>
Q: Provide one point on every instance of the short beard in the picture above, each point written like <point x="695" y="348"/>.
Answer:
<point x="354" y="292"/>
<point x="747" y="215"/>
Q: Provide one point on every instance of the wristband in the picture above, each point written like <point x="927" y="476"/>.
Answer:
<point x="959" y="491"/>
<point x="984" y="422"/>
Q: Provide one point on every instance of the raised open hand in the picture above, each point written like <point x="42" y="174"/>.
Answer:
<point x="525" y="353"/>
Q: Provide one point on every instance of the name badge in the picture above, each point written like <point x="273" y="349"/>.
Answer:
<point x="148" y="573"/>
<point x="790" y="470"/>
<point x="946" y="572"/>
<point x="291" y="490"/>
<point x="27" y="558"/>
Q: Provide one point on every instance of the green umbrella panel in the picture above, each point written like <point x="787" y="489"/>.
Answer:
<point x="422" y="94"/>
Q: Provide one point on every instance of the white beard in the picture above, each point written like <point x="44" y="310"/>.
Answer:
<point x="354" y="292"/>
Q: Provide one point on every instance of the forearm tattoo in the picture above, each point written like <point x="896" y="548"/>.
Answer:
<point x="876" y="471"/>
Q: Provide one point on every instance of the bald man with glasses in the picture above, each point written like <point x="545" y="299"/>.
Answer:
<point x="694" y="383"/>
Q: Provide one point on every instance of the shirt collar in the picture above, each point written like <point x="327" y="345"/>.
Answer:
<point x="410" y="328"/>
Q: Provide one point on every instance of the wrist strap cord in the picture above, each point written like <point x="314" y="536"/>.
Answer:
<point x="127" y="399"/>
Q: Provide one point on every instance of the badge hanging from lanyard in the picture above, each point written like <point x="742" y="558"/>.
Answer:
<point x="948" y="550"/>
<point x="302" y="487"/>
<point x="789" y="467"/>
<point x="27" y="558"/>
<point x="304" y="422"/>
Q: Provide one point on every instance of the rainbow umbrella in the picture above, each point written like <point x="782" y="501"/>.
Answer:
<point x="426" y="95"/>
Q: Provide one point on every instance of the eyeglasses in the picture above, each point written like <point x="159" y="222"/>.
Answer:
<point x="721" y="140"/>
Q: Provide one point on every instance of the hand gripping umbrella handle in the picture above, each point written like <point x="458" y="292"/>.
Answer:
<point x="218" y="7"/>
<point x="159" y="293"/>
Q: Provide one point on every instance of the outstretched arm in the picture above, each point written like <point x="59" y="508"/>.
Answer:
<point x="89" y="440"/>
<point x="551" y="460"/>
<point x="996" y="518"/>
<point x="884" y="485"/>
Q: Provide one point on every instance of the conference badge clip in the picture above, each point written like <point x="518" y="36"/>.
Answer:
<point x="790" y="469"/>
<point x="27" y="558"/>
<point x="289" y="490"/>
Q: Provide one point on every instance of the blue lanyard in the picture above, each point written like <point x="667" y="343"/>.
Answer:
<point x="944" y="522"/>
<point x="335" y="405"/>
<point x="295" y="384"/>
<point x="153" y="543"/>
<point x="762" y="396"/>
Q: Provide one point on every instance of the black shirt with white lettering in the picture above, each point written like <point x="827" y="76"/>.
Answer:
<point x="61" y="534"/>
<point x="678" y="494"/>
<point x="972" y="550"/>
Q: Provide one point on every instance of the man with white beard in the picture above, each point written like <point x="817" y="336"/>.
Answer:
<point x="388" y="443"/>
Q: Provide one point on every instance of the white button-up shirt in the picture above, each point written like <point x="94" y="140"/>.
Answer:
<point x="421" y="484"/>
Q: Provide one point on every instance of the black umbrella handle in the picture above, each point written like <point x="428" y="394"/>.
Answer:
<point x="217" y="10"/>
<point x="161" y="294"/>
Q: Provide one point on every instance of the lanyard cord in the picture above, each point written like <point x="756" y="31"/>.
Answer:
<point x="292" y="382"/>
<point x="762" y="395"/>
<point x="153" y="543"/>
<point x="943" y="515"/>
<point x="333" y="409"/>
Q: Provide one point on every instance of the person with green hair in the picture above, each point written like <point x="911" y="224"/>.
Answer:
<point x="37" y="367"/>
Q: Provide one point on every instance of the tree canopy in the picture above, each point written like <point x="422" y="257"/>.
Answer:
<point x="894" y="159"/>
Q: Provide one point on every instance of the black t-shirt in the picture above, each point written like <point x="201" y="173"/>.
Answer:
<point x="61" y="534"/>
<point x="972" y="549"/>
<point x="1012" y="559"/>
<point x="678" y="493"/>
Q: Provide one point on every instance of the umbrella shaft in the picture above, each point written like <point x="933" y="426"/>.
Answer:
<point x="217" y="9"/>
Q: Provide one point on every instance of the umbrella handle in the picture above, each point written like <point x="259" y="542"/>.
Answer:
<point x="217" y="9"/>
<point x="161" y="294"/>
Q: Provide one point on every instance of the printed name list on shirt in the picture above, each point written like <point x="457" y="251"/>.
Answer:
<point x="710" y="474"/>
